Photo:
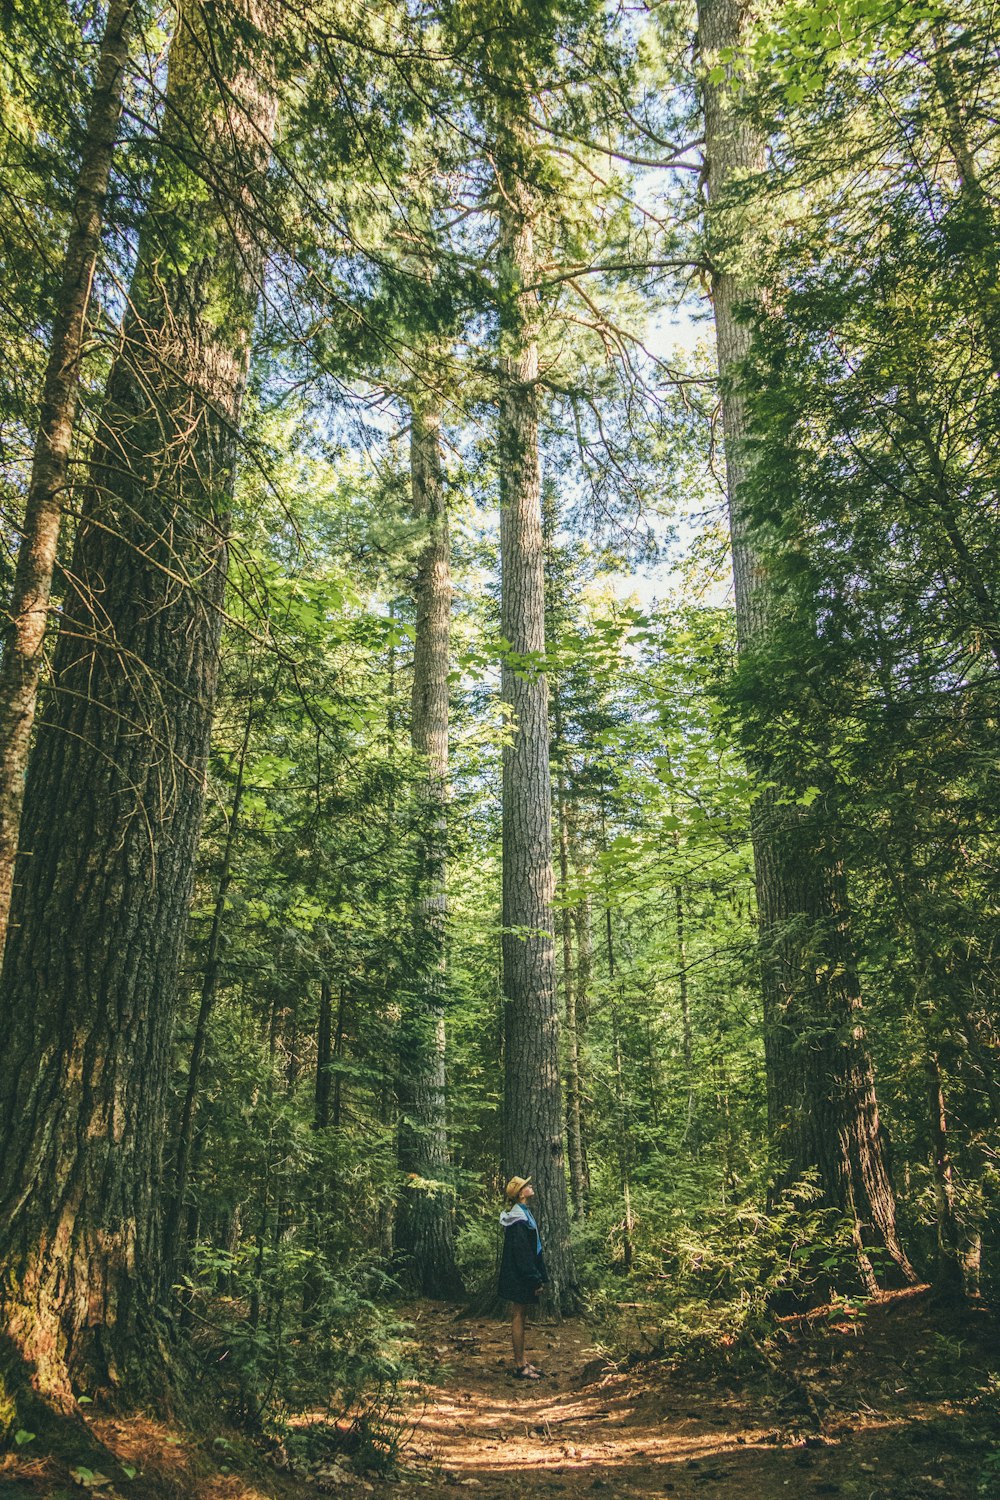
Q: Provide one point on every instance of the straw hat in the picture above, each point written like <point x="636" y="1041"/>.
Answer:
<point x="513" y="1189"/>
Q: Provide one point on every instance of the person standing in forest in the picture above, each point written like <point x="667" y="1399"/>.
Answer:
<point x="522" y="1267"/>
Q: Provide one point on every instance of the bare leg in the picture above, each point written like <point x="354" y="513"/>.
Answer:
<point x="517" y="1333"/>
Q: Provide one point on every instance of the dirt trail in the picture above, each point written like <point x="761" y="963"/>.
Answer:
<point x="895" y="1405"/>
<point x="575" y="1428"/>
<point x="584" y="1431"/>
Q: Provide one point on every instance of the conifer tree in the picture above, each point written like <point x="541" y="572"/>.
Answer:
<point x="821" y="1093"/>
<point x="533" y="1130"/>
<point x="424" y="1226"/>
<point x="114" y="794"/>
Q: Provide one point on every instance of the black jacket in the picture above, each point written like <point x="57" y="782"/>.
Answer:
<point x="522" y="1265"/>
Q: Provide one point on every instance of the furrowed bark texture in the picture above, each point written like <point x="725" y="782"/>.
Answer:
<point x="24" y="635"/>
<point x="532" y="1114"/>
<point x="425" y="1241"/>
<point x="820" y="1085"/>
<point x="114" y="793"/>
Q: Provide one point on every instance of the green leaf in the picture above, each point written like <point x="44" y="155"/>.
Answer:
<point x="88" y="1479"/>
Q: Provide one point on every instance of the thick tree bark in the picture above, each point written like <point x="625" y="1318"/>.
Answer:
<point x="532" y="1115"/>
<point x="114" y="794"/>
<point x="821" y="1093"/>
<point x="425" y="1243"/>
<point x="24" y="633"/>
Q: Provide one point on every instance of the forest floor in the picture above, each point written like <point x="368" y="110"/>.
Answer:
<point x="895" y="1405"/>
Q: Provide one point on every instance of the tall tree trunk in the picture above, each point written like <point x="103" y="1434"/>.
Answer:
<point x="532" y="1114"/>
<point x="821" y="1093"/>
<point x="24" y="634"/>
<point x="115" y="787"/>
<point x="425" y="1241"/>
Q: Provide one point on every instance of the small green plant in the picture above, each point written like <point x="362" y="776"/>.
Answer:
<point x="947" y="1350"/>
<point x="87" y="1478"/>
<point x="989" y="1477"/>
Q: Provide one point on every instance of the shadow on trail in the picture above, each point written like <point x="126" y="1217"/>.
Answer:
<point x="652" y="1433"/>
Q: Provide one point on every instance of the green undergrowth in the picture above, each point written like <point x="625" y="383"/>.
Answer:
<point x="310" y="1360"/>
<point x="986" y="1408"/>
<point x="711" y="1283"/>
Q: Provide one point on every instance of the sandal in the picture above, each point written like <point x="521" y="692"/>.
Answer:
<point x="527" y="1372"/>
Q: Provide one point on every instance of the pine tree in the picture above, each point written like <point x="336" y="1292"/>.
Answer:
<point x="821" y="1093"/>
<point x="424" y="1225"/>
<point x="114" y="793"/>
<point x="533" y="1116"/>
